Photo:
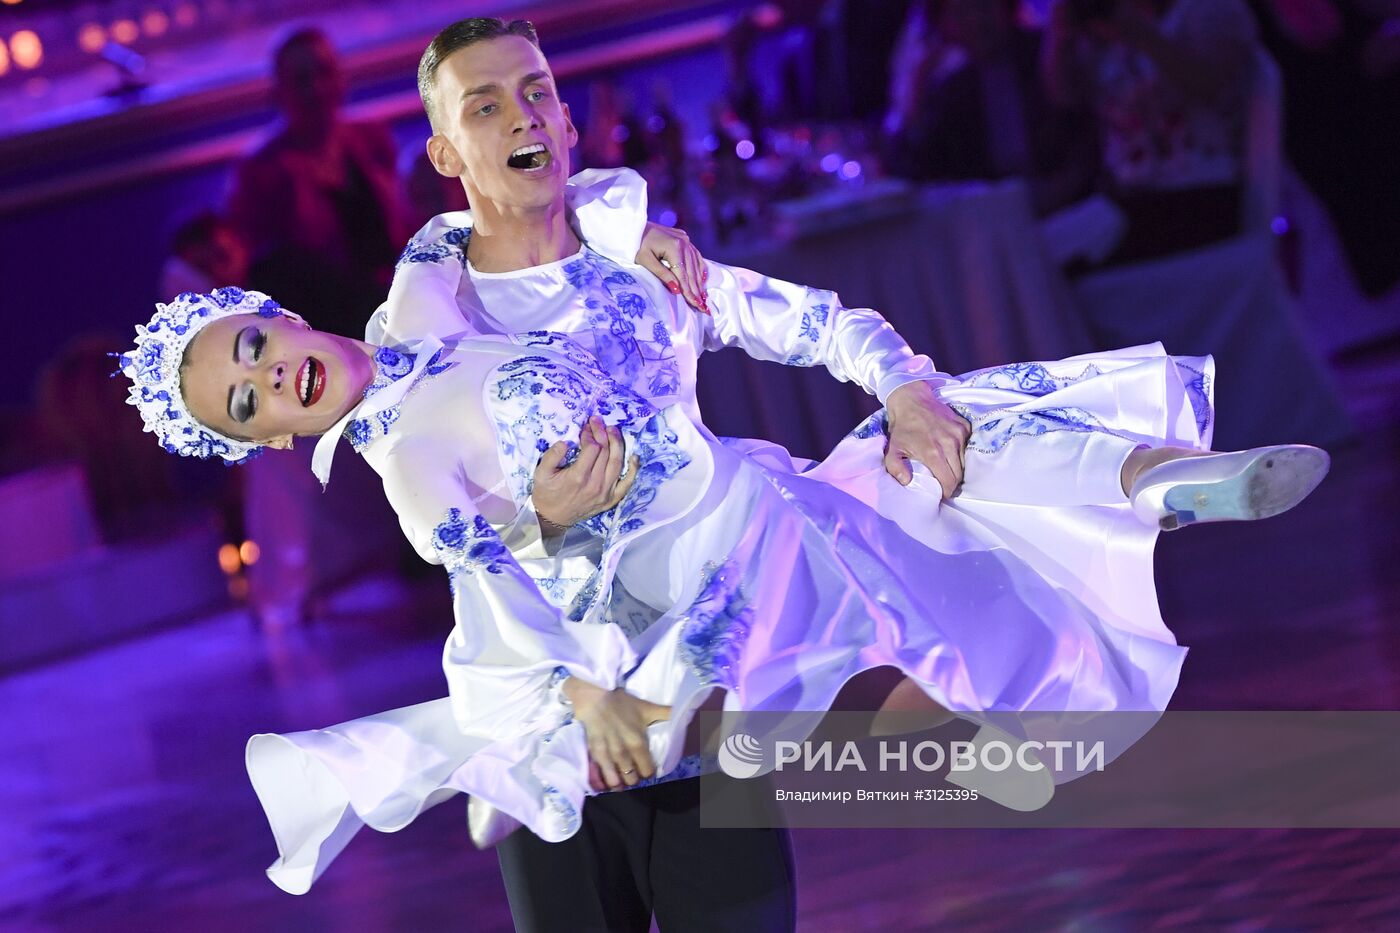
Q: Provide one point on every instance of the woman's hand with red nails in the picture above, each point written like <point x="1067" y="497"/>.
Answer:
<point x="668" y="254"/>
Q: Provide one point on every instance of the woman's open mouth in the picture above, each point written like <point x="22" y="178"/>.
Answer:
<point x="311" y="382"/>
<point x="532" y="158"/>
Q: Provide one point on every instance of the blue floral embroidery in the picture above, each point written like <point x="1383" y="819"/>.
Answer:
<point x="1198" y="391"/>
<point x="467" y="545"/>
<point x="539" y="401"/>
<point x="688" y="767"/>
<point x="389" y="367"/>
<point x="555" y="589"/>
<point x="809" y="331"/>
<point x="631" y="304"/>
<point x="991" y="434"/>
<point x="148" y="362"/>
<point x="660" y="459"/>
<point x="227" y="296"/>
<point x="1030" y="378"/>
<point x="558" y="805"/>
<point x="874" y="426"/>
<point x="716" y="627"/>
<point x="631" y="341"/>
<point x="578" y="273"/>
<point x="452" y="244"/>
<point x="202" y="444"/>
<point x="584" y="598"/>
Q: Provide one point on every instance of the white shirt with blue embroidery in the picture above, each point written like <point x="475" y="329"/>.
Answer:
<point x="728" y="564"/>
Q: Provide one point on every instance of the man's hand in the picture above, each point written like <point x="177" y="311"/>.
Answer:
<point x="567" y="495"/>
<point x="923" y="428"/>
<point x="668" y="254"/>
<point x="615" y="725"/>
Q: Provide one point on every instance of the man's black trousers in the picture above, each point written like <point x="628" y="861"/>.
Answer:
<point x="641" y="851"/>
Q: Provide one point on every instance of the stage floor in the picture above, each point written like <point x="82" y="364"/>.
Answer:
<point x="127" y="807"/>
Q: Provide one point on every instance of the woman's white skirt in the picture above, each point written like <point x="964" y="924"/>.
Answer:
<point x="1029" y="591"/>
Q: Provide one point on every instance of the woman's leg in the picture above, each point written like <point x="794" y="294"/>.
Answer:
<point x="896" y="703"/>
<point x="1144" y="458"/>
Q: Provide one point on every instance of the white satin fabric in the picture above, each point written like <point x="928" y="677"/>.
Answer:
<point x="1030" y="590"/>
<point x="730" y="564"/>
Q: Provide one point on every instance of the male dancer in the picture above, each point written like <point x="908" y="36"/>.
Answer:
<point x="500" y="128"/>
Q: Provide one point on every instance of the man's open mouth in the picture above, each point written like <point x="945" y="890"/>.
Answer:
<point x="311" y="382"/>
<point x="530" y="158"/>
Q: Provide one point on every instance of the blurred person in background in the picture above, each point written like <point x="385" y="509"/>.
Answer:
<point x="82" y="418"/>
<point x="1169" y="82"/>
<point x="426" y="193"/>
<point x="319" y="203"/>
<point x="1340" y="63"/>
<point x="970" y="104"/>
<point x="205" y="253"/>
<point x="320" y="206"/>
<point x="614" y="135"/>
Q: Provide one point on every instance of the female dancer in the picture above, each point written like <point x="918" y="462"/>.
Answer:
<point x="721" y="564"/>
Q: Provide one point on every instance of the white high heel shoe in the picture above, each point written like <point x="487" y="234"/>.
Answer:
<point x="1238" y="486"/>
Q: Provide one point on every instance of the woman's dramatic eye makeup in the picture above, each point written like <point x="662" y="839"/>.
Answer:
<point x="242" y="402"/>
<point x="248" y="345"/>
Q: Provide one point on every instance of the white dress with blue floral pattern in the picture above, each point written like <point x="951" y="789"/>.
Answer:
<point x="730" y="564"/>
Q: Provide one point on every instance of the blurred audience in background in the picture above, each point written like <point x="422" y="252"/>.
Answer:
<point x="1127" y="120"/>
<point x="968" y="103"/>
<point x="205" y="253"/>
<point x="319" y="203"/>
<point x="1341" y="75"/>
<point x="1169" y="82"/>
<point x="613" y="135"/>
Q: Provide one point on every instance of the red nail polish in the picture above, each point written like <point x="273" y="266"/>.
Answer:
<point x="673" y="288"/>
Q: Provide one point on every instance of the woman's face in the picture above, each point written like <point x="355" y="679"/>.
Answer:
<point x="265" y="379"/>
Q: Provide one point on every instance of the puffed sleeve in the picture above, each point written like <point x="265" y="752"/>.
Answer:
<point x="610" y="207"/>
<point x="770" y="319"/>
<point x="423" y="296"/>
<point x="510" y="646"/>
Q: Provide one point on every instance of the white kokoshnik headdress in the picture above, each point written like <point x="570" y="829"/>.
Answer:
<point x="154" y="369"/>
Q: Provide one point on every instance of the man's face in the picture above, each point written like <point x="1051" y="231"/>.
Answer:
<point x="501" y="127"/>
<point x="269" y="378"/>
